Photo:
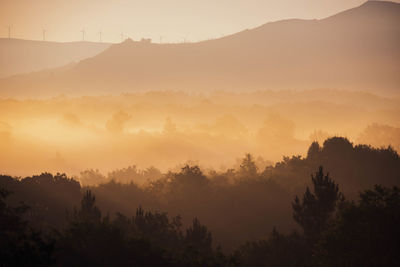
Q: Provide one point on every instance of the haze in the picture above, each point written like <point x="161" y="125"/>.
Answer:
<point x="199" y="133"/>
<point x="75" y="106"/>
<point x="167" y="129"/>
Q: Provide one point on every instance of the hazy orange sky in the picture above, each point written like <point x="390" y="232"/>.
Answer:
<point x="173" y="20"/>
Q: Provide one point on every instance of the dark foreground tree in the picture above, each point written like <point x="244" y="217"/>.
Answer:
<point x="315" y="210"/>
<point x="146" y="239"/>
<point x="313" y="214"/>
<point x="20" y="245"/>
<point x="198" y="250"/>
<point x="93" y="240"/>
<point x="278" y="250"/>
<point x="364" y="234"/>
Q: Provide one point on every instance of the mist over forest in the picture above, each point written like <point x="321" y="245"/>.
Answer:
<point x="273" y="146"/>
<point x="167" y="129"/>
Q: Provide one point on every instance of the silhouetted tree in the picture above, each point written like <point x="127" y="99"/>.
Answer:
<point x="90" y="240"/>
<point x="248" y="167"/>
<point x="315" y="209"/>
<point x="20" y="245"/>
<point x="198" y="249"/>
<point x="364" y="234"/>
<point x="88" y="211"/>
<point x="47" y="195"/>
<point x="158" y="229"/>
<point x="190" y="184"/>
<point x="277" y="250"/>
<point x="198" y="236"/>
<point x="313" y="150"/>
<point x="337" y="146"/>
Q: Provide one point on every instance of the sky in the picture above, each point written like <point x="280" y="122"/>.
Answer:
<point x="160" y="20"/>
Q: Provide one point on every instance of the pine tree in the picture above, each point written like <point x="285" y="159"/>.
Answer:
<point x="316" y="208"/>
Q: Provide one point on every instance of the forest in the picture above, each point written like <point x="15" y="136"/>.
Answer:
<point x="337" y="206"/>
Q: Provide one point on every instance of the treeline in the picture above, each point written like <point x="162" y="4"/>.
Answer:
<point x="237" y="206"/>
<point x="335" y="232"/>
<point x="91" y="239"/>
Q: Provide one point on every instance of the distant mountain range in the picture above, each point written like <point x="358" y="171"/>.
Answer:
<point x="358" y="49"/>
<point x="22" y="56"/>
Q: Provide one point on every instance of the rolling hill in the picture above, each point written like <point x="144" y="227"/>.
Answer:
<point x="358" y="49"/>
<point x="24" y="56"/>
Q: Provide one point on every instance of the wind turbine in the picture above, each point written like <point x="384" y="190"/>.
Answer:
<point x="44" y="34"/>
<point x="100" y="36"/>
<point x="9" y="31"/>
<point x="83" y="34"/>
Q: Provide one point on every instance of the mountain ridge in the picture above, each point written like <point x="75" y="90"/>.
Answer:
<point x="356" y="49"/>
